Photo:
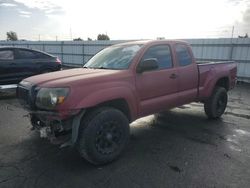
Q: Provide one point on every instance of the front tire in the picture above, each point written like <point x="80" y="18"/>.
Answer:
<point x="215" y="106"/>
<point x="103" y="135"/>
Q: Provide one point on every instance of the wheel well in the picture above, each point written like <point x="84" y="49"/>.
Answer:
<point x="119" y="104"/>
<point x="223" y="82"/>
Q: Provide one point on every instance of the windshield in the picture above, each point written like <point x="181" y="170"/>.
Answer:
<point x="114" y="57"/>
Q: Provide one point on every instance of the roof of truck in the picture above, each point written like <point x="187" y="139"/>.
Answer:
<point x="152" y="42"/>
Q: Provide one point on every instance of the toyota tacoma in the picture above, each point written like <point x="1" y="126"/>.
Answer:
<point x="91" y="107"/>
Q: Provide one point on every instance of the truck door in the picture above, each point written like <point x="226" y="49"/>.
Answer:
<point x="157" y="88"/>
<point x="188" y="74"/>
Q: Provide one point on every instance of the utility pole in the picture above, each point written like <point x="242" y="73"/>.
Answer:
<point x="232" y="46"/>
<point x="56" y="38"/>
<point x="232" y="32"/>
<point x="70" y="33"/>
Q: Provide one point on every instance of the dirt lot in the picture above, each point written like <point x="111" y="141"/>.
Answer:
<point x="180" y="148"/>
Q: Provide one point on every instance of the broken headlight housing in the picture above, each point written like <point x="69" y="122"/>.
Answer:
<point x="49" y="98"/>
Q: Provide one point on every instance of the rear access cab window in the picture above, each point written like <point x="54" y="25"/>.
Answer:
<point x="183" y="55"/>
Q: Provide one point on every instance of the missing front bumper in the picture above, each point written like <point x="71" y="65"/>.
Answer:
<point x="57" y="130"/>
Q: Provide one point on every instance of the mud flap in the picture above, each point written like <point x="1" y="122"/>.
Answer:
<point x="75" y="126"/>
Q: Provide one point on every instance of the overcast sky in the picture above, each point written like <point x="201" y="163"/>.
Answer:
<point x="123" y="19"/>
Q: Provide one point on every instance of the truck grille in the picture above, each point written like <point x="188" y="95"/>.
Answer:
<point x="23" y="94"/>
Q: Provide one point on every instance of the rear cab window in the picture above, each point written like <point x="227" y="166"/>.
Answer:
<point x="6" y="54"/>
<point x="183" y="55"/>
<point x="160" y="52"/>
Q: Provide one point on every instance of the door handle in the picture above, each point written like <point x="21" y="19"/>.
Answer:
<point x="173" y="76"/>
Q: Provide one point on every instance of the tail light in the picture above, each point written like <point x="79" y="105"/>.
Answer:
<point x="58" y="61"/>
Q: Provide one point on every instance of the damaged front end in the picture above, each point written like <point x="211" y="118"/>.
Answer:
<point x="58" y="130"/>
<point x="51" y="126"/>
<point x="59" y="126"/>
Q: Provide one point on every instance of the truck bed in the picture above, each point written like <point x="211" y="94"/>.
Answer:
<point x="209" y="71"/>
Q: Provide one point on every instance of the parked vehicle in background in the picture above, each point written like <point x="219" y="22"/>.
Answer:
<point x="19" y="63"/>
<point x="94" y="105"/>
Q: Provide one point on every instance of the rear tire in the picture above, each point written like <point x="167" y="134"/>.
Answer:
<point x="103" y="135"/>
<point x="215" y="106"/>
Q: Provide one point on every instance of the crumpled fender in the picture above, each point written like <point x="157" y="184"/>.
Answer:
<point x="98" y="97"/>
<point x="105" y="95"/>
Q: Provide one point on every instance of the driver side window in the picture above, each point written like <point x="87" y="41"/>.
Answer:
<point x="163" y="55"/>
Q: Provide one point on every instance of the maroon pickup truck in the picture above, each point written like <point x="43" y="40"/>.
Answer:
<point x="91" y="107"/>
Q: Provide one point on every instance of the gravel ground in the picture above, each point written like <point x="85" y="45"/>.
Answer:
<point x="180" y="148"/>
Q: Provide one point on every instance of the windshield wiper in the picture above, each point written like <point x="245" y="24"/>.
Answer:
<point x="95" y="67"/>
<point x="87" y="67"/>
<point x="102" y="68"/>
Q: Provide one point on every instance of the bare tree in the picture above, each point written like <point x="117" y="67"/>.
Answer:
<point x="11" y="35"/>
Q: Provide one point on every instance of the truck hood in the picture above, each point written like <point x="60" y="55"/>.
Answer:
<point x="72" y="76"/>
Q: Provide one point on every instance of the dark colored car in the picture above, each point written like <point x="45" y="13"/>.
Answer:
<point x="19" y="63"/>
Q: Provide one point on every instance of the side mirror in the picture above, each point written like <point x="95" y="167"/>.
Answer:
<point x="147" y="64"/>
